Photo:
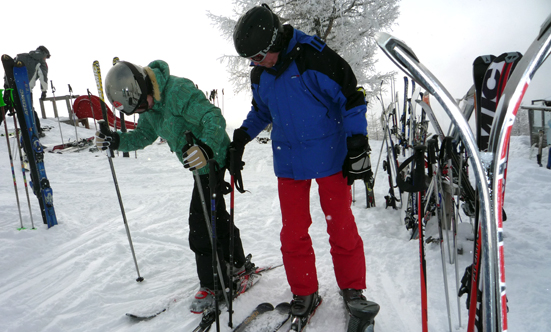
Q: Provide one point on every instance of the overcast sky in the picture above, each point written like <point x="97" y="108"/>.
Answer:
<point x="446" y="35"/>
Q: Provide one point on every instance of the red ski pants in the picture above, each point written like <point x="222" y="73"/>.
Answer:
<point x="296" y="245"/>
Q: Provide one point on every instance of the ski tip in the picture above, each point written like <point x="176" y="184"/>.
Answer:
<point x="266" y="306"/>
<point x="283" y="307"/>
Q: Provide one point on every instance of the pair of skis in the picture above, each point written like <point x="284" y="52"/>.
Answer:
<point x="266" y="318"/>
<point x="18" y="80"/>
<point x="493" y="304"/>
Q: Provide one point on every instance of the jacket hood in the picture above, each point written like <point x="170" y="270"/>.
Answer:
<point x="159" y="73"/>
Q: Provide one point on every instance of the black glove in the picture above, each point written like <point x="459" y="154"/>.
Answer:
<point x="235" y="156"/>
<point x="357" y="164"/>
<point x="106" y="139"/>
<point x="196" y="156"/>
<point x="240" y="139"/>
<point x="43" y="96"/>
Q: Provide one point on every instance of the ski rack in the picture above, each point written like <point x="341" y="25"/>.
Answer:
<point x="408" y="62"/>
<point x="494" y="307"/>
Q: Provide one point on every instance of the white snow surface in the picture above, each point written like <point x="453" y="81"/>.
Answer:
<point x="80" y="275"/>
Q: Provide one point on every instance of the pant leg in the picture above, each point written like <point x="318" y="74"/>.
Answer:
<point x="199" y="238"/>
<point x="347" y="248"/>
<point x="296" y="245"/>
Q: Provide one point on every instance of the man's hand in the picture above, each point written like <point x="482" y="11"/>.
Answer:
<point x="240" y="139"/>
<point x="43" y="96"/>
<point x="357" y="164"/>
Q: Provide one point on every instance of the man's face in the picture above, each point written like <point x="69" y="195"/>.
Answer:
<point x="269" y="60"/>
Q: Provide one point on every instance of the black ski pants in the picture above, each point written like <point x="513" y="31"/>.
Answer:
<point x="199" y="241"/>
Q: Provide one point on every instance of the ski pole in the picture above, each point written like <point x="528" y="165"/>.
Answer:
<point x="212" y="186"/>
<point x="135" y="151"/>
<point x="92" y="108"/>
<point x="23" y="170"/>
<point x="232" y="196"/>
<point x="75" y="122"/>
<point x="2" y="104"/>
<point x="17" y="139"/>
<point x="104" y="125"/>
<point x="189" y="139"/>
<point x="55" y="110"/>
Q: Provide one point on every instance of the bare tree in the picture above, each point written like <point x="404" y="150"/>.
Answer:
<point x="347" y="26"/>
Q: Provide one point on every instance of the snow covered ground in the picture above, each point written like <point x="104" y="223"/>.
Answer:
<point x="80" y="276"/>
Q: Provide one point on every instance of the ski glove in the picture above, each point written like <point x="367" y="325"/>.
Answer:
<point x="196" y="156"/>
<point x="357" y="164"/>
<point x="240" y="139"/>
<point x="106" y="139"/>
<point x="235" y="155"/>
<point x="43" y="96"/>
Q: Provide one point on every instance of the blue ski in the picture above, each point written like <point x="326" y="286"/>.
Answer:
<point x="19" y="81"/>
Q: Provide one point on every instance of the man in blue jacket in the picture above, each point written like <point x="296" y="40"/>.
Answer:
<point x="309" y="94"/>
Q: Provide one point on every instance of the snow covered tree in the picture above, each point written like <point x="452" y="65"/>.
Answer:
<point x="347" y="26"/>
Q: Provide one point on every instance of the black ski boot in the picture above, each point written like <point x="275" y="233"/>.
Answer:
<point x="362" y="312"/>
<point x="302" y="309"/>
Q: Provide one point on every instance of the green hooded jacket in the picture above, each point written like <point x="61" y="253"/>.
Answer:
<point x="178" y="106"/>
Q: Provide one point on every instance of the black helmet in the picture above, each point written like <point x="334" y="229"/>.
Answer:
<point x="257" y="32"/>
<point x="44" y="50"/>
<point x="126" y="87"/>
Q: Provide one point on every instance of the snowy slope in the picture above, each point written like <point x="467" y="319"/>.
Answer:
<point x="80" y="276"/>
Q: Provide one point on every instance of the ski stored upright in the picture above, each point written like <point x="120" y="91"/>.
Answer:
<point x="407" y="61"/>
<point x="18" y="80"/>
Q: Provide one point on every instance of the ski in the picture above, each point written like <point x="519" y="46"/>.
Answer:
<point x="432" y="118"/>
<point x="154" y="313"/>
<point x="369" y="182"/>
<point x="494" y="82"/>
<point x="506" y="112"/>
<point x="266" y="318"/>
<point x="259" y="310"/>
<point x="493" y="314"/>
<point x="17" y="79"/>
<point x="83" y="143"/>
<point x="207" y="320"/>
<point x="407" y="61"/>
<point x="490" y="75"/>
<point x="480" y="66"/>
<point x="260" y="270"/>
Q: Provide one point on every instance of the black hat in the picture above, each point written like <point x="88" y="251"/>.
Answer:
<point x="257" y="30"/>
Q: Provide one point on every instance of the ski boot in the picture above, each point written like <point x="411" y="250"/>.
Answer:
<point x="302" y="309"/>
<point x="362" y="312"/>
<point x="204" y="300"/>
<point x="247" y="268"/>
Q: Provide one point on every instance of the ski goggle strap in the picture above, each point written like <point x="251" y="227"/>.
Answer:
<point x="260" y="55"/>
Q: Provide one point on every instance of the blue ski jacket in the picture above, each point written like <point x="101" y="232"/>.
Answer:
<point x="311" y="98"/>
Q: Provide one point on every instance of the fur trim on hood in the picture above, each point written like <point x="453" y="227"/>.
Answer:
<point x="154" y="83"/>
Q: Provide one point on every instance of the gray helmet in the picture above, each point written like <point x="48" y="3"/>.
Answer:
<point x="126" y="87"/>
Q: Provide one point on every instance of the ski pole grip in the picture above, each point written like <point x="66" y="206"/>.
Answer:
<point x="212" y="177"/>
<point x="103" y="126"/>
<point x="232" y="161"/>
<point x="189" y="137"/>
